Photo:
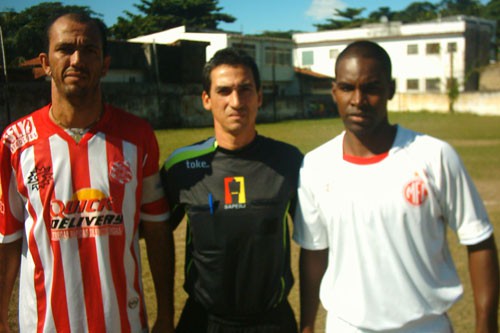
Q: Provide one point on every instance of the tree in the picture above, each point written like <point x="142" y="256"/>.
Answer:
<point x="159" y="15"/>
<point x="351" y="19"/>
<point x="417" y="12"/>
<point x="277" y="34"/>
<point x="492" y="11"/>
<point x="381" y="13"/>
<point x="24" y="32"/>
<point x="460" y="7"/>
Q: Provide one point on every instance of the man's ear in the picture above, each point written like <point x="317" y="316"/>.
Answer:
<point x="105" y="66"/>
<point x="44" y="60"/>
<point x="334" y="88"/>
<point x="207" y="102"/>
<point x="392" y="88"/>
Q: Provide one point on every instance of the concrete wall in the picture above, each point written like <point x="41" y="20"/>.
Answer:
<point x="165" y="106"/>
<point x="172" y="106"/>
<point x="481" y="103"/>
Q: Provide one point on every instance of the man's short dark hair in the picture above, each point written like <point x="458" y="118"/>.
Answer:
<point x="80" y="17"/>
<point x="232" y="57"/>
<point x="367" y="49"/>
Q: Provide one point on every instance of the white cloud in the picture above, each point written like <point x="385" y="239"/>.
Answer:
<point x="322" y="9"/>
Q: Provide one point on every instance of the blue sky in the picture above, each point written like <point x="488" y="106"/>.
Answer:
<point x="251" y="16"/>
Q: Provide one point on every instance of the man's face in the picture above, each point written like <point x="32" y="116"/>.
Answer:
<point x="362" y="90"/>
<point x="233" y="100"/>
<point x="75" y="60"/>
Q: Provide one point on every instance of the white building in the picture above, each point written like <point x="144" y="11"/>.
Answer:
<point x="425" y="56"/>
<point x="272" y="55"/>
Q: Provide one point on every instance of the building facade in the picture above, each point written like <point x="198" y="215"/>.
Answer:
<point x="426" y="57"/>
<point x="274" y="56"/>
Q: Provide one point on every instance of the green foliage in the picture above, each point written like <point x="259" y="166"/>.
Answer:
<point x="350" y="18"/>
<point x="460" y="7"/>
<point x="492" y="11"/>
<point x="24" y="32"/>
<point x="417" y="12"/>
<point x="159" y="15"/>
<point x="277" y="34"/>
<point x="414" y="12"/>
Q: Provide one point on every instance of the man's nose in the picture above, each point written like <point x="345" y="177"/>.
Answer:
<point x="235" y="99"/>
<point x="76" y="57"/>
<point x="357" y="97"/>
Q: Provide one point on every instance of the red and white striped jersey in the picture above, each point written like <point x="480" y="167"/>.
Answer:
<point x="78" y="207"/>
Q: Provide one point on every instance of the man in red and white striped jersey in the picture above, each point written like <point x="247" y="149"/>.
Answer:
<point x="78" y="180"/>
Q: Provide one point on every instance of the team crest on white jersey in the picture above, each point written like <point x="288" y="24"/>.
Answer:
<point x="19" y="134"/>
<point x="121" y="172"/>
<point x="415" y="191"/>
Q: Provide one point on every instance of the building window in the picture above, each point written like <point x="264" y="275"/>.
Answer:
<point x="278" y="56"/>
<point x="412" y="49"/>
<point x="452" y="47"/>
<point x="307" y="58"/>
<point x="247" y="48"/>
<point x="334" y="53"/>
<point x="432" y="85"/>
<point x="412" y="84"/>
<point x="432" y="48"/>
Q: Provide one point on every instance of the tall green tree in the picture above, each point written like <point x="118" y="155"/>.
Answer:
<point x="159" y="15"/>
<point x="418" y="12"/>
<point x="381" y="13"/>
<point x="460" y="7"/>
<point x="348" y="18"/>
<point x="492" y="11"/>
<point x="24" y="32"/>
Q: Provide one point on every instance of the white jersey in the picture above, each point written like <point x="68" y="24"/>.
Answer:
<point x="385" y="226"/>
<point x="78" y="206"/>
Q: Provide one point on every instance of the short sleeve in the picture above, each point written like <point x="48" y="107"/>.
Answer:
<point x="463" y="207"/>
<point x="309" y="229"/>
<point x="11" y="203"/>
<point x="154" y="205"/>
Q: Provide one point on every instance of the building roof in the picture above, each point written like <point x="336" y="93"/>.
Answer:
<point x="310" y="73"/>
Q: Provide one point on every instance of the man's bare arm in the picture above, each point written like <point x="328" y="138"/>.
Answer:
<point x="10" y="258"/>
<point x="312" y="267"/>
<point x="161" y="256"/>
<point x="484" y="274"/>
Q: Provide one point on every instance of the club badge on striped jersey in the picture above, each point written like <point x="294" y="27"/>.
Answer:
<point x="120" y="172"/>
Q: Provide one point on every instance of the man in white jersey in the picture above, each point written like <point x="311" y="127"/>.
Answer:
<point x="374" y="204"/>
<point x="78" y="180"/>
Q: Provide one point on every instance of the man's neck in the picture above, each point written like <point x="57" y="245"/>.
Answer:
<point x="68" y="114"/>
<point x="234" y="142"/>
<point x="369" y="146"/>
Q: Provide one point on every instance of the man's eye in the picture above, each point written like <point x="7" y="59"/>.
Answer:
<point x="224" y="92"/>
<point x="66" y="49"/>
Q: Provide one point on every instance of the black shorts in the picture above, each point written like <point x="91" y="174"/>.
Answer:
<point x="195" y="319"/>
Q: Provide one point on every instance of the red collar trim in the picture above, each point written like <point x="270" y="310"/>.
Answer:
<point x="365" y="160"/>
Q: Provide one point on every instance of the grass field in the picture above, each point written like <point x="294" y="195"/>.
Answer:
<point x="476" y="138"/>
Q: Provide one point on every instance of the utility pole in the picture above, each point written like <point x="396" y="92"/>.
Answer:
<point x="6" y="85"/>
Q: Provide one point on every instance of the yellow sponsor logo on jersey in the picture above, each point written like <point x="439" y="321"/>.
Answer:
<point x="89" y="213"/>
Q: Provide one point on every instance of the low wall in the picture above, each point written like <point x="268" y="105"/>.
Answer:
<point x="164" y="106"/>
<point x="482" y="103"/>
<point x="171" y="106"/>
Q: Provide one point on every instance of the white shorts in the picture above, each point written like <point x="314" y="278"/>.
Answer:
<point x="429" y="324"/>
